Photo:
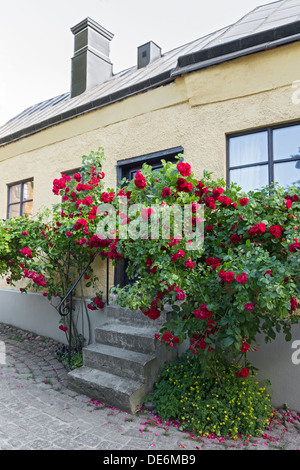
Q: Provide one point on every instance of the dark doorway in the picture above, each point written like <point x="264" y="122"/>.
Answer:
<point x="127" y="169"/>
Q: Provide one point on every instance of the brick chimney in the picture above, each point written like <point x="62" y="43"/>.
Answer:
<point x="91" y="64"/>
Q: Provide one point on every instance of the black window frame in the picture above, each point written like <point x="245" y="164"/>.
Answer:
<point x="125" y="167"/>
<point x="22" y="200"/>
<point x="270" y="162"/>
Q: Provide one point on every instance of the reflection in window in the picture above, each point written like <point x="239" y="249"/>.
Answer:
<point x="251" y="178"/>
<point x="249" y="149"/>
<point x="20" y="199"/>
<point x="264" y="157"/>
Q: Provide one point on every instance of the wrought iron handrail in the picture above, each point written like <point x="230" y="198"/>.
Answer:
<point x="65" y="310"/>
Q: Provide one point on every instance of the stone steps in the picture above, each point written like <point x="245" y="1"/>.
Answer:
<point x="127" y="363"/>
<point x="123" y="393"/>
<point x="127" y="337"/>
<point x="121" y="367"/>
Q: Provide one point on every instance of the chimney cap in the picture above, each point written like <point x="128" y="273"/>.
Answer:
<point x="90" y="23"/>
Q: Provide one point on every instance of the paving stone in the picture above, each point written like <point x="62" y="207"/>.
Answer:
<point x="35" y="415"/>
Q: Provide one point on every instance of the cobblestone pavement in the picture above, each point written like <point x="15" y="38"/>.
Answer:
<point x="39" y="412"/>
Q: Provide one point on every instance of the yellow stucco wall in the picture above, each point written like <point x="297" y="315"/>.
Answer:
<point x="196" y="111"/>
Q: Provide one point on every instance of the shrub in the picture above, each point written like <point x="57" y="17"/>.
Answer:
<point x="221" y="405"/>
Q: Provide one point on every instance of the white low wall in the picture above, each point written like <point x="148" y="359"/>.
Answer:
<point x="33" y="312"/>
<point x="279" y="361"/>
<point x="276" y="361"/>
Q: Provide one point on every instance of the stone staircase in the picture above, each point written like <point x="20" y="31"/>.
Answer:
<point x="121" y="366"/>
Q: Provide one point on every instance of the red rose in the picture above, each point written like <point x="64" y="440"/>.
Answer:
<point x="77" y="177"/>
<point x="210" y="202"/>
<point x="243" y="201"/>
<point x="184" y="169"/>
<point x="269" y="271"/>
<point x="166" y="192"/>
<point x="213" y="262"/>
<point x="167" y="336"/>
<point x="180" y="295"/>
<point x="225" y="201"/>
<point x="245" y="347"/>
<point x="183" y="185"/>
<point x="249" y="306"/>
<point x="258" y="229"/>
<point x="139" y="180"/>
<point x="153" y="314"/>
<point x="26" y="252"/>
<point x="217" y="192"/>
<point x="275" y="231"/>
<point x="294" y="304"/>
<point x="79" y="224"/>
<point x="58" y="184"/>
<point x="190" y="264"/>
<point x="98" y="302"/>
<point x="229" y="276"/>
<point x="203" y="313"/>
<point x="244" y="372"/>
<point x="107" y="197"/>
<point x="293" y="247"/>
<point x="288" y="203"/>
<point x="87" y="201"/>
<point x="241" y="279"/>
<point x="235" y="238"/>
<point x="146" y="213"/>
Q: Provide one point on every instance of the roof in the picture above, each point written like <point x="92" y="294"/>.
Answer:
<point x="266" y="26"/>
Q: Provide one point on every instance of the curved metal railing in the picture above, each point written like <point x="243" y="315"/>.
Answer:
<point x="65" y="307"/>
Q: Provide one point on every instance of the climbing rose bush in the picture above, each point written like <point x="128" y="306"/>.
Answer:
<point x="48" y="252"/>
<point x="242" y="281"/>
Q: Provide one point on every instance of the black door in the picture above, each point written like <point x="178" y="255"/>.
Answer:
<point x="127" y="169"/>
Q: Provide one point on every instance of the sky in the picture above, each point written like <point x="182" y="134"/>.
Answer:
<point x="36" y="42"/>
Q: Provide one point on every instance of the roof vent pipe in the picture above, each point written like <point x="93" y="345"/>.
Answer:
<point x="147" y="54"/>
<point x="91" y="65"/>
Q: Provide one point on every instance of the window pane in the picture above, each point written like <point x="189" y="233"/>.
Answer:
<point x="287" y="174"/>
<point x="28" y="190"/>
<point x="250" y="178"/>
<point x="14" y="193"/>
<point x="252" y="148"/>
<point x="14" y="210"/>
<point x="27" y="208"/>
<point x="286" y="142"/>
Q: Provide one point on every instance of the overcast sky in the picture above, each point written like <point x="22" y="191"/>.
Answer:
<point x="36" y="44"/>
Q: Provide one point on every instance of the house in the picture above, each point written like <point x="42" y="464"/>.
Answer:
<point x="229" y="101"/>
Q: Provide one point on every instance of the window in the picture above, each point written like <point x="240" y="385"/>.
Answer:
<point x="72" y="172"/>
<point x="127" y="169"/>
<point x="20" y="199"/>
<point x="270" y="155"/>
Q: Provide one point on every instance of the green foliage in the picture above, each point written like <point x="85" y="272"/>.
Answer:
<point x="48" y="251"/>
<point x="62" y="355"/>
<point x="244" y="279"/>
<point x="221" y="404"/>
